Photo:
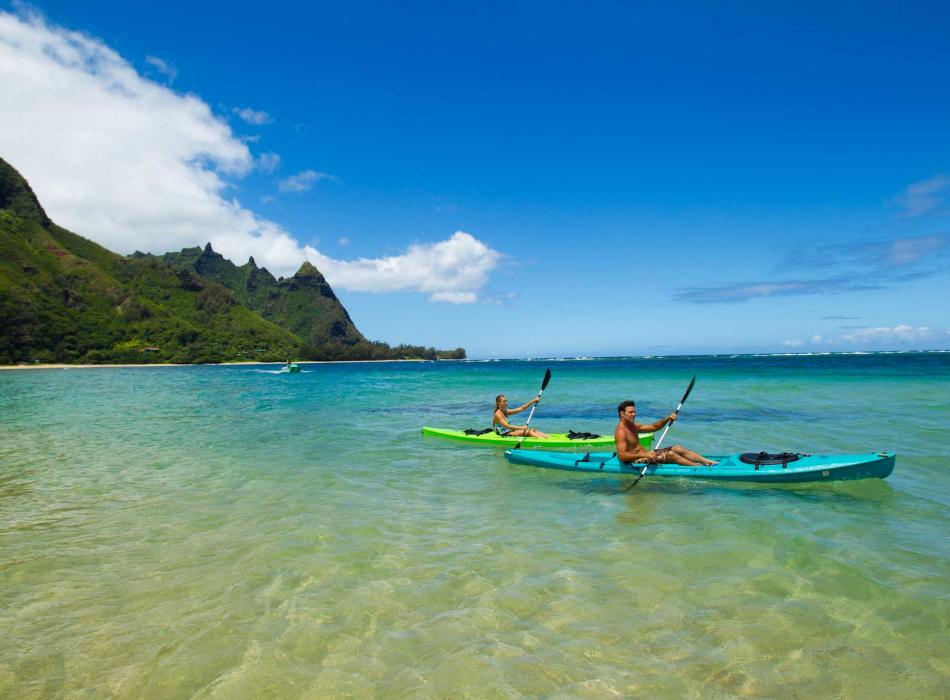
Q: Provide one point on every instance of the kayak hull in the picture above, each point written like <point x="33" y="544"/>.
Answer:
<point x="556" y="439"/>
<point x="730" y="468"/>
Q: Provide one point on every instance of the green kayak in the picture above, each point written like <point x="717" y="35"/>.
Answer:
<point x="749" y="466"/>
<point x="556" y="440"/>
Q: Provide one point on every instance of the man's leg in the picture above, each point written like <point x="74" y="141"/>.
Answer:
<point x="672" y="456"/>
<point x="694" y="457"/>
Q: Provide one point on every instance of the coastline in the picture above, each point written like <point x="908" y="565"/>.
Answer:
<point x="209" y="364"/>
<point x="484" y="360"/>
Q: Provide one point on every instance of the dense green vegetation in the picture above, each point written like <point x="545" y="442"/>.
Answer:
<point x="64" y="298"/>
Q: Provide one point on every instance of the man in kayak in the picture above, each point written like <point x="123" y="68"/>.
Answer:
<point x="499" y="420"/>
<point x="629" y="449"/>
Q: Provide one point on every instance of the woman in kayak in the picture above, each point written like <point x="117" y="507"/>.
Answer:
<point x="629" y="449"/>
<point x="499" y="420"/>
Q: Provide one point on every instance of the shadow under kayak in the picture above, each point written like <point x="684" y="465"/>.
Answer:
<point x="556" y="439"/>
<point x="745" y="467"/>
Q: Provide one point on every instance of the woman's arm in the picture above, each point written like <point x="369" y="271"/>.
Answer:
<point x="524" y="406"/>
<point x="500" y="419"/>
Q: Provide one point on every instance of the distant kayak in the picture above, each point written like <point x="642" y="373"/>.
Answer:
<point x="292" y="368"/>
<point x="750" y="466"/>
<point x="556" y="440"/>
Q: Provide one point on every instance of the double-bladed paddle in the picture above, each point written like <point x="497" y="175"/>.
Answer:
<point x="544" y="384"/>
<point x="663" y="434"/>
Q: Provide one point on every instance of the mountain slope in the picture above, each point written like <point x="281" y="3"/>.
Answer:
<point x="64" y="298"/>
<point x="304" y="304"/>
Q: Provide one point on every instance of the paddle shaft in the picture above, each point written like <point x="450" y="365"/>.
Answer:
<point x="679" y="406"/>
<point x="531" y="415"/>
<point x="544" y="384"/>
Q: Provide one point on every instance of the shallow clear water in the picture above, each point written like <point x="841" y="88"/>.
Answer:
<point x="229" y="531"/>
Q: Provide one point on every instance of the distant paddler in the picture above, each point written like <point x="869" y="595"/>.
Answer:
<point x="499" y="420"/>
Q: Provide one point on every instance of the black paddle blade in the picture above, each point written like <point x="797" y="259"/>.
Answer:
<point x="547" y="378"/>
<point x="688" y="389"/>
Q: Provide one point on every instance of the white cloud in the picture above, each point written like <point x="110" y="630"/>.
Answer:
<point x="922" y="197"/>
<point x="109" y="153"/>
<point x="133" y="164"/>
<point x="816" y="339"/>
<point x="268" y="162"/>
<point x="303" y="181"/>
<point x="454" y="297"/>
<point x="901" y="332"/>
<point x="451" y="270"/>
<point x="343" y="242"/>
<point x="252" y="116"/>
<point x="792" y="343"/>
<point x="163" y="67"/>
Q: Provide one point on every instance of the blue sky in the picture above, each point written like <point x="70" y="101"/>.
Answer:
<point x="633" y="178"/>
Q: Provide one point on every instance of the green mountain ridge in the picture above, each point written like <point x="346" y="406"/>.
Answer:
<point x="64" y="298"/>
<point x="304" y="304"/>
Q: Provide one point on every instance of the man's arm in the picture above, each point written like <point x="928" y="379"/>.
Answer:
<point x="653" y="427"/>
<point x="622" y="442"/>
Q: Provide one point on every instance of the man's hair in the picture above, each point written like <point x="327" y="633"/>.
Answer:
<point x="624" y="404"/>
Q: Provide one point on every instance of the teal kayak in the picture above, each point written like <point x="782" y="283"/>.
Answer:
<point x="750" y="466"/>
<point x="555" y="440"/>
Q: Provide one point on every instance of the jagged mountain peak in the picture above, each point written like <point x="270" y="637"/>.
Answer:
<point x="308" y="270"/>
<point x="17" y="196"/>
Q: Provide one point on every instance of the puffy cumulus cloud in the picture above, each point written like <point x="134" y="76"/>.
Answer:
<point x="109" y="153"/>
<point x="252" y="116"/>
<point x="135" y="165"/>
<point x="450" y="271"/>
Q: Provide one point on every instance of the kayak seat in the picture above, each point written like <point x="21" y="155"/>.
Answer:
<point x="759" y="458"/>
<point x="473" y="431"/>
<point x="572" y="435"/>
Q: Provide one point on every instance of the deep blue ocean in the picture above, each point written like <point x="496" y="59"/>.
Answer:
<point x="228" y="531"/>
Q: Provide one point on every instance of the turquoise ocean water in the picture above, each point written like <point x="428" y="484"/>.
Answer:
<point x="232" y="532"/>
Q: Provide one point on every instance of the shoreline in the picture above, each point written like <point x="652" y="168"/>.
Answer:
<point x="476" y="360"/>
<point x="11" y="368"/>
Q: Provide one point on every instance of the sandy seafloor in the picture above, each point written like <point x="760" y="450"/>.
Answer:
<point x="228" y="531"/>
